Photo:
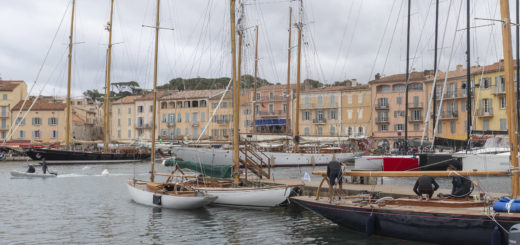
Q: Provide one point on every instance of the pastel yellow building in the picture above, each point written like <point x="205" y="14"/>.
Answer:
<point x="356" y="105"/>
<point x="320" y="111"/>
<point x="44" y="122"/>
<point x="183" y="114"/>
<point x="122" y="114"/>
<point x="11" y="92"/>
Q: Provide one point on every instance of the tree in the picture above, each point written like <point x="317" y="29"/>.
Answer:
<point x="309" y="83"/>
<point x="93" y="95"/>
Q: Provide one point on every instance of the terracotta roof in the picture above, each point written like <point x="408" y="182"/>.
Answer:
<point x="77" y="120"/>
<point x="276" y="87"/>
<point x="414" y="76"/>
<point x="127" y="100"/>
<point x="41" y="105"/>
<point x="9" y="85"/>
<point x="149" y="96"/>
<point x="192" y="94"/>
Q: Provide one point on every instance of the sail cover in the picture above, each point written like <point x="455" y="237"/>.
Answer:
<point x="205" y="169"/>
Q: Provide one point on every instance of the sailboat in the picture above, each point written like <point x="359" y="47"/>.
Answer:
<point x="242" y="192"/>
<point x="66" y="156"/>
<point x="438" y="221"/>
<point x="164" y="194"/>
<point x="294" y="157"/>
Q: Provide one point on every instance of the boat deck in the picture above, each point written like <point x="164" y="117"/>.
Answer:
<point x="73" y="162"/>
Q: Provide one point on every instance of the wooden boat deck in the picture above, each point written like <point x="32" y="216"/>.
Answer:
<point x="416" y="205"/>
<point x="155" y="188"/>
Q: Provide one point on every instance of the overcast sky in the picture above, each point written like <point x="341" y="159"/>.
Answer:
<point x="342" y="39"/>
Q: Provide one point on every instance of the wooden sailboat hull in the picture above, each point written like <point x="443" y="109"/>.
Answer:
<point x="54" y="155"/>
<point x="434" y="227"/>
<point x="279" y="159"/>
<point x="141" y="195"/>
<point x="270" y="196"/>
<point x="19" y="174"/>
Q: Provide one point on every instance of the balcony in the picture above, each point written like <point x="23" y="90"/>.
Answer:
<point x="319" y="121"/>
<point x="143" y="125"/>
<point x="482" y="112"/>
<point x="450" y="115"/>
<point x="382" y="107"/>
<point x="499" y="90"/>
<point x="271" y="113"/>
<point x="416" y="119"/>
<point x="273" y="98"/>
<point x="415" y="105"/>
<point x="450" y="95"/>
<point x="382" y="120"/>
<point x="223" y="121"/>
<point x="171" y="124"/>
<point x="320" y="106"/>
<point x="195" y="124"/>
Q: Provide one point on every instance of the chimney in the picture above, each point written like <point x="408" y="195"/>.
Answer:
<point x="354" y="82"/>
<point x="428" y="73"/>
<point x="378" y="76"/>
<point x="459" y="67"/>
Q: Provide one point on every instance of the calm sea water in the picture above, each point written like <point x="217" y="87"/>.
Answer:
<point x="81" y="206"/>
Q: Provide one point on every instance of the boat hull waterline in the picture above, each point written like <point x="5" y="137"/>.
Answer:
<point x="270" y="196"/>
<point x="51" y="155"/>
<point x="142" y="196"/>
<point x="278" y="159"/>
<point x="20" y="174"/>
<point x="434" y="227"/>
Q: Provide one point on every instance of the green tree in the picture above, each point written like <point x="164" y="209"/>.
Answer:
<point x="93" y="95"/>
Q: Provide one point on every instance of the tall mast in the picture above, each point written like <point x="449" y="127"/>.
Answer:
<point x="288" y="93"/>
<point x="67" y="126"/>
<point x="468" y="74"/>
<point x="256" y="74"/>
<point x="517" y="57"/>
<point x="296" y="132"/>
<point x="407" y="79"/>
<point x="510" y="98"/>
<point x="435" y="67"/>
<point x="154" y="106"/>
<point x="107" y="79"/>
<point x="235" y="92"/>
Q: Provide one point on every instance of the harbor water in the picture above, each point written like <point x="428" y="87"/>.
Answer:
<point x="84" y="206"/>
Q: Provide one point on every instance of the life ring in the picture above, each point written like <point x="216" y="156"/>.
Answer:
<point x="38" y="156"/>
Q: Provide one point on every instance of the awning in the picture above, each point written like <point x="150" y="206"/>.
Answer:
<point x="270" y="122"/>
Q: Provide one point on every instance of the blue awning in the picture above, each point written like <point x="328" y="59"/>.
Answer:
<point x="270" y="122"/>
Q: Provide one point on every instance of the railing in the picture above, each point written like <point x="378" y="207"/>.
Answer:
<point x="142" y="125"/>
<point x="320" y="106"/>
<point x="319" y="121"/>
<point x="499" y="90"/>
<point x="416" y="119"/>
<point x="382" y="107"/>
<point x="415" y="105"/>
<point x="449" y="115"/>
<point x="171" y="124"/>
<point x="382" y="120"/>
<point x="222" y="121"/>
<point x="274" y="98"/>
<point x="254" y="160"/>
<point x="485" y="113"/>
<point x="271" y="113"/>
<point x="194" y="123"/>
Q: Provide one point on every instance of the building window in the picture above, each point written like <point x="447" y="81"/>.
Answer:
<point x="415" y="86"/>
<point x="398" y="114"/>
<point x="4" y="96"/>
<point x="129" y="133"/>
<point x="36" y="121"/>
<point x="416" y="115"/>
<point x="21" y="134"/>
<point x="306" y="102"/>
<point x="382" y="102"/>
<point x="257" y="96"/>
<point x="202" y="116"/>
<point x="332" y="101"/>
<point x="119" y="133"/>
<point x="54" y="134"/>
<point x="360" y="98"/>
<point x="349" y="99"/>
<point x="151" y="108"/>
<point x="271" y="96"/>
<point x="349" y="131"/>
<point x="332" y="130"/>
<point x="179" y="118"/>
<point x="320" y="101"/>
<point x="399" y="100"/>
<point x="439" y="128"/>
<point x="129" y="110"/>
<point x="360" y="113"/>
<point x="119" y="122"/>
<point x="271" y="108"/>
<point x="306" y="115"/>
<point x="503" y="124"/>
<point x="118" y="110"/>
<point x="319" y="116"/>
<point x="383" y="127"/>
<point x="284" y="108"/>
<point x="36" y="134"/>
<point x="4" y="111"/>
<point x="187" y="117"/>
<point x="416" y="126"/>
<point x="503" y="102"/>
<point x="20" y="121"/>
<point x="306" y="131"/>
<point x="349" y="114"/>
<point x="163" y="118"/>
<point x="129" y="121"/>
<point x="333" y="115"/>
<point x="203" y="103"/>
<point x="4" y="123"/>
<point x="361" y="131"/>
<point x="223" y="104"/>
<point x="140" y="108"/>
<point x="486" y="124"/>
<point x="320" y="130"/>
<point x="398" y="127"/>
<point x="164" y="105"/>
<point x="486" y="105"/>
<point x="53" y="121"/>
<point x="453" y="127"/>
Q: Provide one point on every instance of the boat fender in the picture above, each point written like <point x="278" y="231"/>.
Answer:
<point x="496" y="236"/>
<point x="370" y="226"/>
<point x="157" y="199"/>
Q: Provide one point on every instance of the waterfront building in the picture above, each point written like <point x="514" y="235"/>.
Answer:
<point x="44" y="122"/>
<point x="143" y="116"/>
<point x="11" y="93"/>
<point x="320" y="113"/>
<point x="356" y="106"/>
<point x="183" y="114"/>
<point x="388" y="111"/>
<point x="122" y="118"/>
<point x="221" y="124"/>
<point x="270" y="107"/>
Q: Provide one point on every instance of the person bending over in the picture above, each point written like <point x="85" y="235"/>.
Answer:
<point x="425" y="185"/>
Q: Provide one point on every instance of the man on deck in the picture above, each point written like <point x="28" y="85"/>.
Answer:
<point x="425" y="185"/>
<point x="334" y="172"/>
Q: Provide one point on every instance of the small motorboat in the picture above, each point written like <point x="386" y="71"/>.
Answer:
<point x="20" y="174"/>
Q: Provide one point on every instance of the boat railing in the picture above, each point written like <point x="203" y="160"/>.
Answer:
<point x="255" y="160"/>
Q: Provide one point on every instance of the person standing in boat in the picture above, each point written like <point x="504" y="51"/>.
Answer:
<point x="334" y="172"/>
<point x="44" y="166"/>
<point x="425" y="185"/>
